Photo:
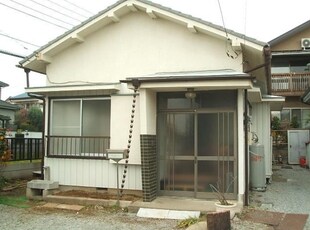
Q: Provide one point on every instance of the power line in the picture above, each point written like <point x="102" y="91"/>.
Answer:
<point x="16" y="39"/>
<point x="66" y="15"/>
<point x="67" y="8"/>
<point x="79" y="7"/>
<point x="31" y="15"/>
<point x="11" y="54"/>
<point x="37" y="11"/>
<point x="222" y="18"/>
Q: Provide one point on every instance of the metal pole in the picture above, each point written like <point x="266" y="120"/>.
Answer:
<point x="117" y="202"/>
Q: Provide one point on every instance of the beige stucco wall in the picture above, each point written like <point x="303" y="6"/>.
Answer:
<point x="136" y="46"/>
<point x="292" y="43"/>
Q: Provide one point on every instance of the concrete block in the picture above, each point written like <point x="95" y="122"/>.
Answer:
<point x="42" y="184"/>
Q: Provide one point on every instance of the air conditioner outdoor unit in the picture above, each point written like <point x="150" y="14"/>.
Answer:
<point x="305" y="43"/>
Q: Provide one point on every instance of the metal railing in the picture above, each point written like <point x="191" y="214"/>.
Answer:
<point x="83" y="147"/>
<point x="25" y="148"/>
<point x="290" y="83"/>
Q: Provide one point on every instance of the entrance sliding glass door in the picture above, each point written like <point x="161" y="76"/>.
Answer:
<point x="197" y="148"/>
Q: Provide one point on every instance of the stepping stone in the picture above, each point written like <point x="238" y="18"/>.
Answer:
<point x="167" y="214"/>
<point x="293" y="221"/>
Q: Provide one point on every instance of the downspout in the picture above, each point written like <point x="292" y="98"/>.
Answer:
<point x="27" y="71"/>
<point x="246" y="158"/>
<point x="267" y="59"/>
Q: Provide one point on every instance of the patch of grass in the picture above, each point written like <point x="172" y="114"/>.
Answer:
<point x="187" y="222"/>
<point x="15" y="201"/>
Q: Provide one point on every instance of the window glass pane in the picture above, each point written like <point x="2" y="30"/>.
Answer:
<point x="306" y="118"/>
<point x="280" y="69"/>
<point x="173" y="101"/>
<point x="296" y="118"/>
<point x="226" y="99"/>
<point x="66" y="118"/>
<point x="285" y="115"/>
<point x="96" y="118"/>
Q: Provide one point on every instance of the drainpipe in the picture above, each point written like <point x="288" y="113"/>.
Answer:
<point x="267" y="59"/>
<point x="246" y="158"/>
<point x="27" y="71"/>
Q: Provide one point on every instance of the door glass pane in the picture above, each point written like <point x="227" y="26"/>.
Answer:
<point x="207" y="174"/>
<point x="176" y="149"/>
<point x="218" y="173"/>
<point x="183" y="175"/>
<point x="208" y="134"/>
<point x="183" y="134"/>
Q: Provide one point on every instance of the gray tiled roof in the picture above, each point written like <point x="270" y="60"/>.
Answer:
<point x="292" y="32"/>
<point x="5" y="105"/>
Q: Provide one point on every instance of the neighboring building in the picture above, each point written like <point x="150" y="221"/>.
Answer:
<point x="7" y="114"/>
<point x="290" y="74"/>
<point x="25" y="101"/>
<point x="7" y="110"/>
<point x="186" y="124"/>
<point x="2" y="85"/>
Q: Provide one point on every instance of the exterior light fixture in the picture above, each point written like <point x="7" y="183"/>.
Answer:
<point x="190" y="94"/>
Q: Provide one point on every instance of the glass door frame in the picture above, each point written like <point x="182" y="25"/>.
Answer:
<point x="196" y="158"/>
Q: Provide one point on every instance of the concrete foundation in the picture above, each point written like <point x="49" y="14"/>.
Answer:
<point x="39" y="189"/>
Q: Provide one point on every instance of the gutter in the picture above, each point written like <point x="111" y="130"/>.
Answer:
<point x="27" y="71"/>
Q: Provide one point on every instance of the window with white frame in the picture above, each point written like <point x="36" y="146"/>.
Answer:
<point x="79" y="126"/>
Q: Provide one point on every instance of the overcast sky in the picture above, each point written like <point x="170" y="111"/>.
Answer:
<point x="260" y="19"/>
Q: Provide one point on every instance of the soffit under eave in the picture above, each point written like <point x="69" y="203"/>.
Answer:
<point x="196" y="85"/>
<point x="73" y="90"/>
<point x="276" y="102"/>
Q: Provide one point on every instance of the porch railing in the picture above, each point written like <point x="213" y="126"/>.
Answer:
<point x="290" y="83"/>
<point x="25" y="148"/>
<point x="87" y="147"/>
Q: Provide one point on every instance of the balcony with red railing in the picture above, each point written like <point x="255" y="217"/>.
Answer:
<point x="290" y="84"/>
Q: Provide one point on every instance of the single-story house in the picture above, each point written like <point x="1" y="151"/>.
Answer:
<point x="182" y="95"/>
<point x="25" y="101"/>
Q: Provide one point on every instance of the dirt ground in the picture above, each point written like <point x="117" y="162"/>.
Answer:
<point x="95" y="195"/>
<point x="18" y="188"/>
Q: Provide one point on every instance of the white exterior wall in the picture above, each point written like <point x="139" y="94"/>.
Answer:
<point x="92" y="173"/>
<point x="136" y="46"/>
<point x="261" y="126"/>
<point x="148" y="111"/>
<point x="121" y="106"/>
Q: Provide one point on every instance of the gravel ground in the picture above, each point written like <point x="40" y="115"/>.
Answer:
<point x="288" y="192"/>
<point x="34" y="218"/>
